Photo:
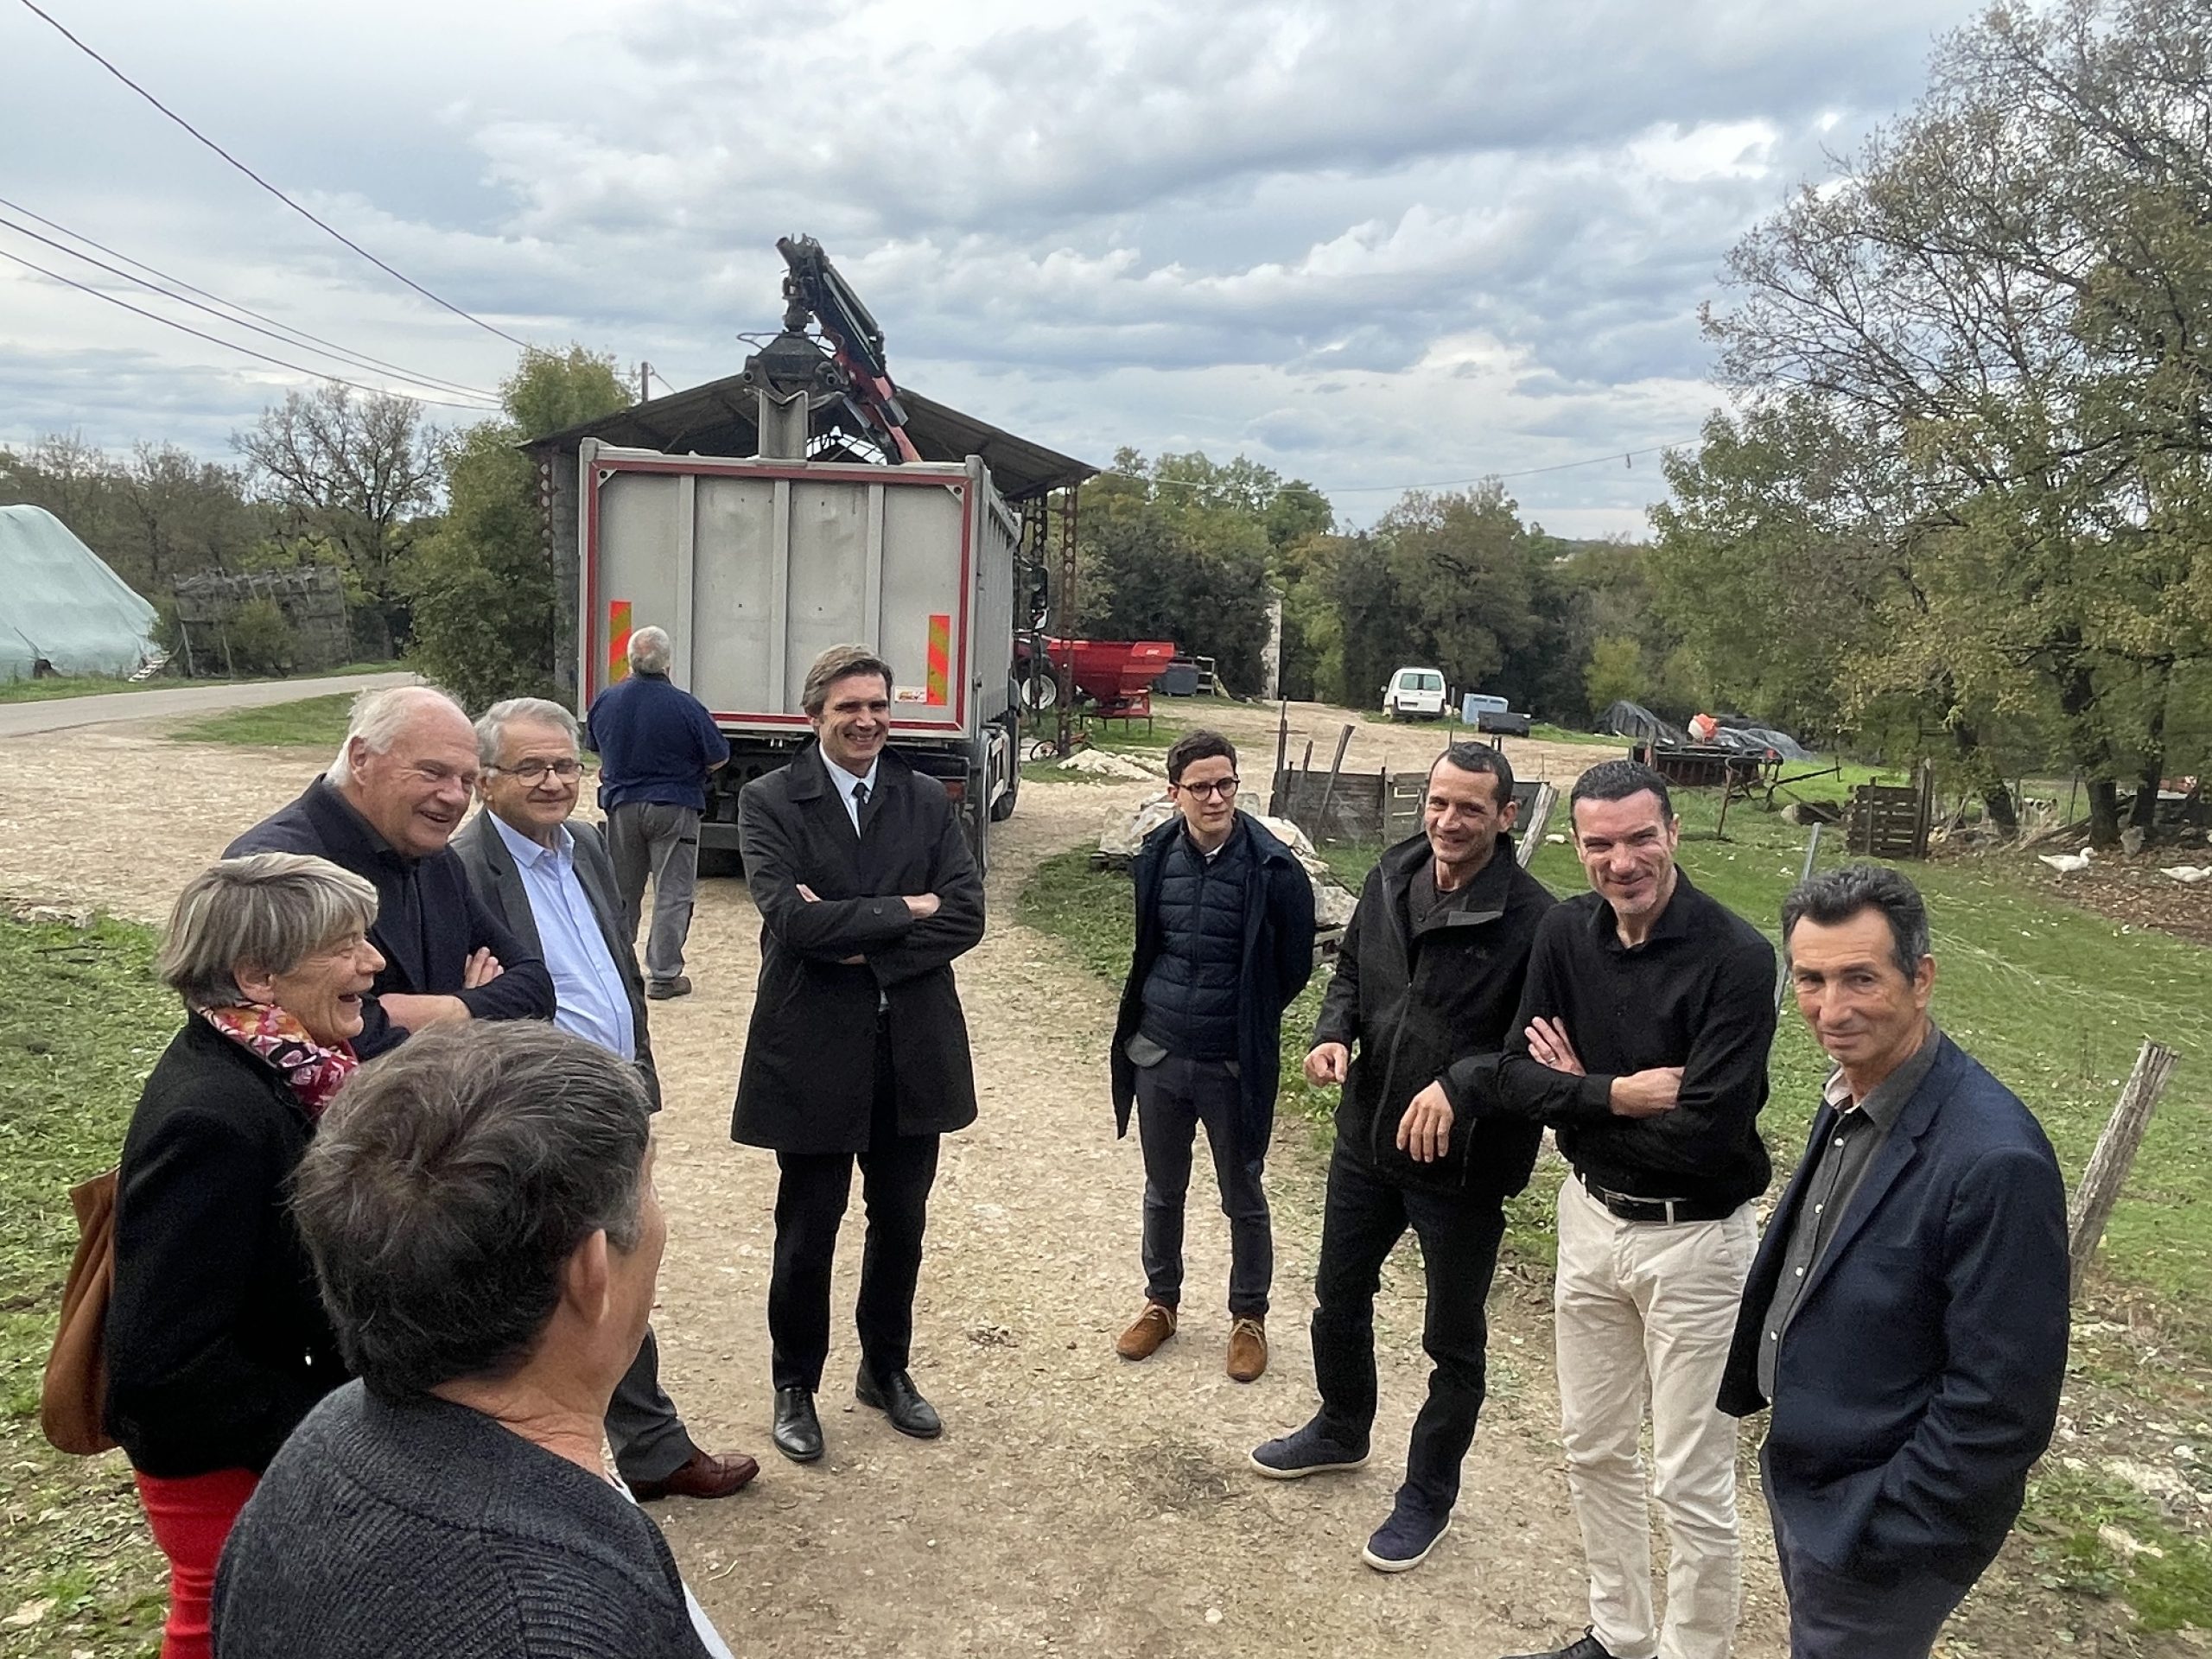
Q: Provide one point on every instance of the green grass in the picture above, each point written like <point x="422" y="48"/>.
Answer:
<point x="312" y="722"/>
<point x="81" y="1022"/>
<point x="2071" y="1530"/>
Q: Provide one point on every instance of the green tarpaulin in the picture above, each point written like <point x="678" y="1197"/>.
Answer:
<point x="60" y="604"/>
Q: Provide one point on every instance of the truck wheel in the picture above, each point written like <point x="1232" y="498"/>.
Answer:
<point x="716" y="863"/>
<point x="1002" y="808"/>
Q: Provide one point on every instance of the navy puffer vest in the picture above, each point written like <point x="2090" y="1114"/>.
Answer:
<point x="1191" y="995"/>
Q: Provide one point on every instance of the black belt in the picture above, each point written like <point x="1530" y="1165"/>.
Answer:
<point x="1628" y="1207"/>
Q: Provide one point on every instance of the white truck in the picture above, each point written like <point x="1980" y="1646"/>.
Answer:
<point x="755" y="565"/>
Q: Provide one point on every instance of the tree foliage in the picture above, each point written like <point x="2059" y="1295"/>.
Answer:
<point x="484" y="604"/>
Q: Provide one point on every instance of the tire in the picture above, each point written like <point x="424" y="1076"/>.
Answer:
<point x="718" y="863"/>
<point x="1002" y="808"/>
<point x="1040" y="691"/>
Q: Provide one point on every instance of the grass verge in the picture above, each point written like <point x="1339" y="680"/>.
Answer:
<point x="53" y="686"/>
<point x="81" y="1022"/>
<point x="312" y="722"/>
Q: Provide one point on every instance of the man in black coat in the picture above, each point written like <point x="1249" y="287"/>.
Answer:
<point x="548" y="877"/>
<point x="1430" y="972"/>
<point x="857" y="1046"/>
<point x="1906" y="1311"/>
<point x="385" y="810"/>
<point x="1225" y="940"/>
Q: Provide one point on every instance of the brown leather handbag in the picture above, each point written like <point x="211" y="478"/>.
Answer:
<point x="74" y="1394"/>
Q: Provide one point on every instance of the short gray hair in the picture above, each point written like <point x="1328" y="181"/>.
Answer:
<point x="1835" y="896"/>
<point x="266" y="911"/>
<point x="378" y="718"/>
<point x="835" y="665"/>
<point x="449" y="1182"/>
<point x="492" y="725"/>
<point x="650" y="652"/>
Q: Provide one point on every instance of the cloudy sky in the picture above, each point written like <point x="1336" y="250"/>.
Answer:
<point x="1371" y="245"/>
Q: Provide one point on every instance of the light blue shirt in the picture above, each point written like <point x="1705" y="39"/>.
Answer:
<point x="842" y="782"/>
<point x="589" y="998"/>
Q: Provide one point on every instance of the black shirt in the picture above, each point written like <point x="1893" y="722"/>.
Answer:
<point x="1698" y="993"/>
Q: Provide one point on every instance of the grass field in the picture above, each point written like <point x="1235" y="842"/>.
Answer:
<point x="81" y="1022"/>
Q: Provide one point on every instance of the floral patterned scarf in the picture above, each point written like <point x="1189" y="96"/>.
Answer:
<point x="282" y="1043"/>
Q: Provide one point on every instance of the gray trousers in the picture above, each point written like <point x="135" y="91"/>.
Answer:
<point x="649" y="1438"/>
<point x="646" y="837"/>
<point x="1174" y="1097"/>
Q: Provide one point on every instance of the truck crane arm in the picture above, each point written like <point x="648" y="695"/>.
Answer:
<point x="813" y="288"/>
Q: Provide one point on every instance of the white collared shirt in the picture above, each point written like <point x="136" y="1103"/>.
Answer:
<point x="842" y="782"/>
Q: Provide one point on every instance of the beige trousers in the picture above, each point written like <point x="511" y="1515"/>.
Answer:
<point x="1645" y="1313"/>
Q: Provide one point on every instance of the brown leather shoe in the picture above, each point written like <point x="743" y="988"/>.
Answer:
<point x="702" y="1475"/>
<point x="1248" y="1349"/>
<point x="1154" y="1326"/>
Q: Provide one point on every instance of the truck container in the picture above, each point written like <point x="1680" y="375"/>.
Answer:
<point x="756" y="565"/>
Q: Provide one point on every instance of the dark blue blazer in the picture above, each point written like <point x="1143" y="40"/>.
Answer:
<point x="1919" y="1378"/>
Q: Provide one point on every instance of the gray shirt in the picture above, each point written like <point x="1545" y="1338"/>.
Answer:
<point x="1840" y="1164"/>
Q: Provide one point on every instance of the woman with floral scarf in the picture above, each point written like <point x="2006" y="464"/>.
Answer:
<point x="217" y="1342"/>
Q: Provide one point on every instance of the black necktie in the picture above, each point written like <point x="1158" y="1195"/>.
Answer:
<point x="860" y="798"/>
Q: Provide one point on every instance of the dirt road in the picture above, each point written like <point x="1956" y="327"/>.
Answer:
<point x="1076" y="1503"/>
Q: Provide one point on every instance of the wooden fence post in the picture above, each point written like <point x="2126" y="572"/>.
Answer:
<point x="2109" y="1165"/>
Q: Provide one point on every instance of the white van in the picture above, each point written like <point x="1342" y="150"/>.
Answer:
<point x="1415" y="693"/>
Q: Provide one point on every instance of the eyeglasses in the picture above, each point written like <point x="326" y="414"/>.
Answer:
<point x="533" y="771"/>
<point x="1225" y="787"/>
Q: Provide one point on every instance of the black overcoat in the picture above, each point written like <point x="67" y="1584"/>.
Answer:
<point x="808" y="1082"/>
<point x="217" y="1342"/>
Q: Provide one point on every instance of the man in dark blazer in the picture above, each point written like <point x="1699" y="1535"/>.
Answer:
<point x="385" y="810"/>
<point x="548" y="878"/>
<point x="1906" y="1311"/>
<point x="857" y="1046"/>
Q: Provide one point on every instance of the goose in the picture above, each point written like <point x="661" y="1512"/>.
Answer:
<point x="2192" y="873"/>
<point x="2067" y="863"/>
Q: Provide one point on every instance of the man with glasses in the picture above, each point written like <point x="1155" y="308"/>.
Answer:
<point x="1225" y="940"/>
<point x="547" y="877"/>
<point x="656" y="744"/>
<point x="385" y="810"/>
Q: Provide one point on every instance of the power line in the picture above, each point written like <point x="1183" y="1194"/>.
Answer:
<point x="310" y="342"/>
<point x="228" y="345"/>
<point x="321" y="225"/>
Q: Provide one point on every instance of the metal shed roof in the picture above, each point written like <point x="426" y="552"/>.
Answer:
<point x="716" y="419"/>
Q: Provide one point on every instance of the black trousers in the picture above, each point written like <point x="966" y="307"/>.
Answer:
<point x="1173" y="1098"/>
<point x="1365" y="1214"/>
<point x="896" y="1173"/>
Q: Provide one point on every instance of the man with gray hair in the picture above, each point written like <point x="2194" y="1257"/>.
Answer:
<point x="547" y="877"/>
<point x="386" y="809"/>
<point x="1906" y="1311"/>
<point x="656" y="744"/>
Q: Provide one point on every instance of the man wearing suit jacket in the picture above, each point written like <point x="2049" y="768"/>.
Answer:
<point x="1906" y="1311"/>
<point x="857" y="1046"/>
<point x="551" y="881"/>
<point x="385" y="810"/>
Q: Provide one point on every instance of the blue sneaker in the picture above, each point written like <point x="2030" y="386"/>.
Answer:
<point x="1311" y="1451"/>
<point x="1403" y="1541"/>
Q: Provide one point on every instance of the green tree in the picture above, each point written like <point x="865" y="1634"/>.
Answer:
<point x="1615" y="672"/>
<point x="484" y="605"/>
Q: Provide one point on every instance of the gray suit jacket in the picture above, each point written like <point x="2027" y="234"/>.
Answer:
<point x="495" y="881"/>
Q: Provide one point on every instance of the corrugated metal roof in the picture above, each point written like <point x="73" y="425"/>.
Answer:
<point x="716" y="419"/>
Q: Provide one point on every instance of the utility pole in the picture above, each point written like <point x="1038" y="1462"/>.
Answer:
<point x="644" y="383"/>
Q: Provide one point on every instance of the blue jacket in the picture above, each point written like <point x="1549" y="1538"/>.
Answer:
<point x="655" y="741"/>
<point x="1278" y="961"/>
<point x="1918" y="1379"/>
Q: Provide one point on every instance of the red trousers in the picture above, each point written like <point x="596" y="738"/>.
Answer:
<point x="190" y="1519"/>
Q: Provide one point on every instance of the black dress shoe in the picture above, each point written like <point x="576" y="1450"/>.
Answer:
<point x="897" y="1398"/>
<point x="797" y="1433"/>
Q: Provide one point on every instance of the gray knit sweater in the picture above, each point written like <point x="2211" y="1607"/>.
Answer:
<point x="427" y="1530"/>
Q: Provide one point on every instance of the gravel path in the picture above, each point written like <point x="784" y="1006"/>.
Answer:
<point x="1076" y="1503"/>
